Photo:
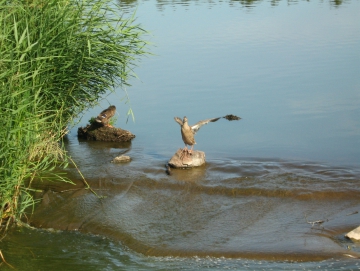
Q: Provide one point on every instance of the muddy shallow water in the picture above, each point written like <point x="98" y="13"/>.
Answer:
<point x="290" y="70"/>
<point x="240" y="214"/>
<point x="257" y="209"/>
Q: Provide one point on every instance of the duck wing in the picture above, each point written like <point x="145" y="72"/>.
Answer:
<point x="198" y="125"/>
<point x="102" y="116"/>
<point x="231" y="117"/>
<point x="178" y="120"/>
<point x="106" y="114"/>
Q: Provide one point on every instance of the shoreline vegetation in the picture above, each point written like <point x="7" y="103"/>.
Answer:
<point x="58" y="57"/>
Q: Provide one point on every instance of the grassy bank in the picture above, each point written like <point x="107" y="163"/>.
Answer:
<point x="57" y="58"/>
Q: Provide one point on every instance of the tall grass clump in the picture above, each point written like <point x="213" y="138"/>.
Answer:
<point x="57" y="58"/>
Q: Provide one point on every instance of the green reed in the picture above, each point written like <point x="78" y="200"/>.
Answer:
<point x="57" y="58"/>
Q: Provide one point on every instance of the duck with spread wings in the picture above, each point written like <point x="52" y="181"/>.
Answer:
<point x="188" y="132"/>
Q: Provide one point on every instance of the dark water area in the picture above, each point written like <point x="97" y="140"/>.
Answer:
<point x="291" y="70"/>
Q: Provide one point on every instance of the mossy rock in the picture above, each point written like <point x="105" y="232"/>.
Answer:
<point x="104" y="133"/>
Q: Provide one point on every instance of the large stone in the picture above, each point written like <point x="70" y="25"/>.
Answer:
<point x="103" y="133"/>
<point x="197" y="158"/>
<point x="354" y="234"/>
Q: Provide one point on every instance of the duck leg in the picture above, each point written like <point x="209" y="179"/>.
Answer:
<point x="189" y="152"/>
<point x="184" y="152"/>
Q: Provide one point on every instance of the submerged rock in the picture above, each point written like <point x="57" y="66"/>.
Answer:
<point x="197" y="158"/>
<point x="121" y="159"/>
<point x="99" y="132"/>
<point x="354" y="234"/>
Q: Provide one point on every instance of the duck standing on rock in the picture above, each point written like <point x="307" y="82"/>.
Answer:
<point x="188" y="132"/>
<point x="105" y="116"/>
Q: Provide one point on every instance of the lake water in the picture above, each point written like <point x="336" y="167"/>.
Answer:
<point x="291" y="70"/>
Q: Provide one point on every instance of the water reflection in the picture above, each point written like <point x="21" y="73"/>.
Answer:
<point x="162" y="4"/>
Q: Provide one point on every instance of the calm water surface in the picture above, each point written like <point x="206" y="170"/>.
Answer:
<point x="291" y="70"/>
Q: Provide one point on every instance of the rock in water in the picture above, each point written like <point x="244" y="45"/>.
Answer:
<point x="104" y="133"/>
<point x="121" y="159"/>
<point x="196" y="159"/>
<point x="354" y="234"/>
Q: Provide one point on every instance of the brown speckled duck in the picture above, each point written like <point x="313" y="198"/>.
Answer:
<point x="188" y="132"/>
<point x="105" y="115"/>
